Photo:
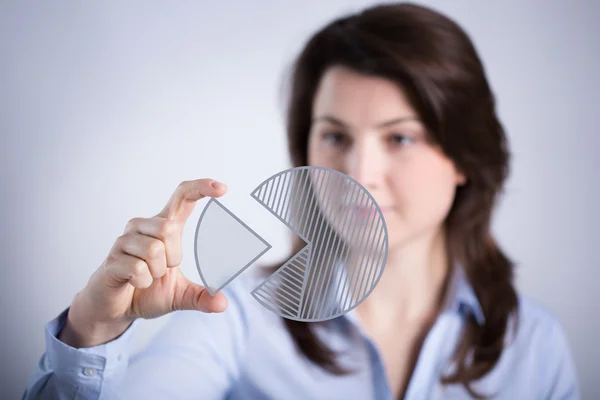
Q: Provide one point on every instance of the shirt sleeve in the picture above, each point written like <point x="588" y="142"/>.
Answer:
<point x="64" y="372"/>
<point x="195" y="355"/>
<point x="562" y="381"/>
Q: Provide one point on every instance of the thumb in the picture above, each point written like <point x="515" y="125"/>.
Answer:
<point x="191" y="296"/>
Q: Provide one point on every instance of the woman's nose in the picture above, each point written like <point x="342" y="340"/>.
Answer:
<point x="365" y="165"/>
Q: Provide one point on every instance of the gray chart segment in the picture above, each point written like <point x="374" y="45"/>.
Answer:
<point x="287" y="302"/>
<point x="345" y="252"/>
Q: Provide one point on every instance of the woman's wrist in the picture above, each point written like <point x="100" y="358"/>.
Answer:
<point x="82" y="330"/>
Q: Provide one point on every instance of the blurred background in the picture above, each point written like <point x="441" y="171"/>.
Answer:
<point x="105" y="107"/>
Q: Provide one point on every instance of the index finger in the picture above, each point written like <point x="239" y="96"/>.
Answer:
<point x="182" y="201"/>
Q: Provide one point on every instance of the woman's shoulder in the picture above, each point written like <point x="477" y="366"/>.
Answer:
<point x="536" y="323"/>
<point x="535" y="316"/>
<point x="535" y="328"/>
<point x="537" y="347"/>
<point x="536" y="360"/>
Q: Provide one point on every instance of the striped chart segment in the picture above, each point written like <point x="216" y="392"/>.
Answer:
<point x="346" y="243"/>
<point x="286" y="302"/>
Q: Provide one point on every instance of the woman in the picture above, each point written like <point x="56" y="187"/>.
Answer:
<point x="395" y="97"/>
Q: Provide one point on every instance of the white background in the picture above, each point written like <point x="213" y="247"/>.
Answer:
<point x="105" y="107"/>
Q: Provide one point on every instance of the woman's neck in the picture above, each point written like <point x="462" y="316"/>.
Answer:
<point x="413" y="282"/>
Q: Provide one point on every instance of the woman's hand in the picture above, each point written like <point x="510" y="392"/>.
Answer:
<point x="140" y="277"/>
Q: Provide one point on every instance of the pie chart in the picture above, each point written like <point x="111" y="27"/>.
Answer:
<point x="342" y="235"/>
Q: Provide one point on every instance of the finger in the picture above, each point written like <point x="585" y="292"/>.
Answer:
<point x="191" y="296"/>
<point x="147" y="248"/>
<point x="167" y="231"/>
<point x="182" y="202"/>
<point x="124" y="268"/>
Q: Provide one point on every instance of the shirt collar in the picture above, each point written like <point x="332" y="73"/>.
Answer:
<point x="461" y="296"/>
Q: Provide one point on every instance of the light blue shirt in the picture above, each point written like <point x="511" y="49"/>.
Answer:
<point x="246" y="353"/>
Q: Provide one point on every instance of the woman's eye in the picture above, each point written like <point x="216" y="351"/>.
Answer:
<point x="401" y="140"/>
<point x="333" y="138"/>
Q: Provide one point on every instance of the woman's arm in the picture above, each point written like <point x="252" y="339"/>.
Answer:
<point x="561" y="375"/>
<point x="195" y="355"/>
<point x="67" y="372"/>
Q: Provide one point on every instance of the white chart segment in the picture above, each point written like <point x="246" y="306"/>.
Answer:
<point x="217" y="230"/>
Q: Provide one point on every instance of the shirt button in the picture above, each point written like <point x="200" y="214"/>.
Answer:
<point x="89" y="371"/>
<point x="120" y="357"/>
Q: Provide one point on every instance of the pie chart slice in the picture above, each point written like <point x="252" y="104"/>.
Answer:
<point x="224" y="246"/>
<point x="286" y="302"/>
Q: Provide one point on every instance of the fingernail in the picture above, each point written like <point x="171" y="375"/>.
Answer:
<point x="216" y="185"/>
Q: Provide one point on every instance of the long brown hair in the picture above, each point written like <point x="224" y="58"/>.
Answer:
<point x="435" y="63"/>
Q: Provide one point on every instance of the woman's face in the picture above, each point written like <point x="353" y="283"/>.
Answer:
<point x="365" y="127"/>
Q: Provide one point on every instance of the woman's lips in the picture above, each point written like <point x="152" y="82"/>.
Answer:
<point x="368" y="212"/>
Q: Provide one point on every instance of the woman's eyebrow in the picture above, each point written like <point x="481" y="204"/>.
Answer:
<point x="336" y="121"/>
